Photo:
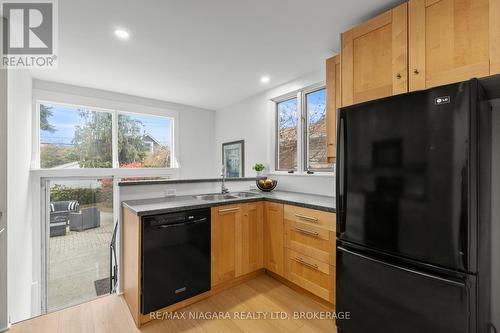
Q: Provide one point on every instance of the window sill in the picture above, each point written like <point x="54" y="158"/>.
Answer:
<point x="105" y="172"/>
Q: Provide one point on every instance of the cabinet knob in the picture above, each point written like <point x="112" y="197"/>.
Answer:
<point x="416" y="71"/>
<point x="398" y="76"/>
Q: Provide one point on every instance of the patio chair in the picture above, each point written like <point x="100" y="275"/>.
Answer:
<point x="86" y="218"/>
<point x="59" y="216"/>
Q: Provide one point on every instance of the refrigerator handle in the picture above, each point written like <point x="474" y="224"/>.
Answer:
<point x="341" y="176"/>
<point x="412" y="271"/>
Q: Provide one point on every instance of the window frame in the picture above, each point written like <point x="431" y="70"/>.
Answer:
<point x="115" y="169"/>
<point x="302" y="132"/>
<point x="172" y="137"/>
<point x="305" y="114"/>
<point x="282" y="99"/>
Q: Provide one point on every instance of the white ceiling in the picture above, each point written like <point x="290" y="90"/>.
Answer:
<point x="205" y="53"/>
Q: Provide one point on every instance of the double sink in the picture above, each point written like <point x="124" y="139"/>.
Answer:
<point x="228" y="196"/>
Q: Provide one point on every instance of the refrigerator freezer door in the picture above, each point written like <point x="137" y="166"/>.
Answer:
<point x="403" y="175"/>
<point x="386" y="298"/>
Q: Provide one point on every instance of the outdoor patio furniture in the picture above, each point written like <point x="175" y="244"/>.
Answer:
<point x="59" y="216"/>
<point x="86" y="218"/>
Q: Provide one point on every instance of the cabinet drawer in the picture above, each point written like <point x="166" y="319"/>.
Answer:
<point x="310" y="274"/>
<point x="313" y="241"/>
<point x="310" y="216"/>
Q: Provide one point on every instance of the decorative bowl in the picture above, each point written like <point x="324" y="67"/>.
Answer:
<point x="266" y="185"/>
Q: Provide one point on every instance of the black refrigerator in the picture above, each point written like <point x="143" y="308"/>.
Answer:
<point x="413" y="212"/>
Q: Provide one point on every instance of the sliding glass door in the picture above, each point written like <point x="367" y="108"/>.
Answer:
<point x="79" y="228"/>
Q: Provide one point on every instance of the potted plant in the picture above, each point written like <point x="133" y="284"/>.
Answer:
<point x="259" y="167"/>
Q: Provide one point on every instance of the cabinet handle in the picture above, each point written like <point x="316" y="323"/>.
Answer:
<point x="307" y="232"/>
<point x="416" y="71"/>
<point x="307" y="218"/>
<point x="398" y="76"/>
<point x="305" y="263"/>
<point x="228" y="210"/>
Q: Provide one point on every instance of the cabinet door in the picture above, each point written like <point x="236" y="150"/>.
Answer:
<point x="449" y="41"/>
<point x="375" y="58"/>
<point x="274" y="238"/>
<point x="333" y="98"/>
<point x="250" y="239"/>
<point x="494" y="37"/>
<point x="224" y="221"/>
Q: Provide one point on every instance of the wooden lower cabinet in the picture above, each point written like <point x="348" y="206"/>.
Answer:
<point x="250" y="239"/>
<point x="313" y="241"/>
<point x="237" y="240"/>
<point x="310" y="256"/>
<point x="223" y="227"/>
<point x="274" y="238"/>
<point x="311" y="274"/>
<point x="245" y="239"/>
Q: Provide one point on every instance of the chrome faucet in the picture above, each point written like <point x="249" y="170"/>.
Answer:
<point x="223" y="188"/>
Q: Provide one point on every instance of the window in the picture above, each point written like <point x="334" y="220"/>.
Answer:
<point x="73" y="137"/>
<point x="286" y="140"/>
<point x="144" y="141"/>
<point x="315" y="157"/>
<point x="302" y="145"/>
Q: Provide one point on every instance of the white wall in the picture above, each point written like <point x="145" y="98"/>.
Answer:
<point x="3" y="200"/>
<point x="19" y="197"/>
<point x="253" y="121"/>
<point x="495" y="232"/>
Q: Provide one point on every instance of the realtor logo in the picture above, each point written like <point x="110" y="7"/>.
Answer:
<point x="29" y="31"/>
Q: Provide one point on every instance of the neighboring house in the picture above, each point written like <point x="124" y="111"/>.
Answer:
<point x="150" y="143"/>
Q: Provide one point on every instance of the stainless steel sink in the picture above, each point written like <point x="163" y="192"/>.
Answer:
<point x="216" y="197"/>
<point x="245" y="195"/>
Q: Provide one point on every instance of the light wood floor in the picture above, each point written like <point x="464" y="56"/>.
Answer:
<point x="262" y="294"/>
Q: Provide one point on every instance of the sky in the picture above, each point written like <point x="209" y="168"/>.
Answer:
<point x="316" y="105"/>
<point x="65" y="119"/>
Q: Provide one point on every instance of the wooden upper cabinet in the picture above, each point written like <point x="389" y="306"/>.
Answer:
<point x="452" y="41"/>
<point x="250" y="239"/>
<point x="494" y="37"/>
<point x="333" y="102"/>
<point x="375" y="58"/>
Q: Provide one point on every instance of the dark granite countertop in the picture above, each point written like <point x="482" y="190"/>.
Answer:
<point x="160" y="181"/>
<point x="164" y="205"/>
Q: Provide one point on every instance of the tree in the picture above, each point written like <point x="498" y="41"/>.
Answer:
<point x="130" y="140"/>
<point x="52" y="155"/>
<point x="45" y="113"/>
<point x="93" y="140"/>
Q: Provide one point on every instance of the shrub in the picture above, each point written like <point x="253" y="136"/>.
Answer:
<point x="102" y="196"/>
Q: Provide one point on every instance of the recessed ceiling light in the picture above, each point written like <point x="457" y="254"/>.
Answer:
<point x="122" y="34"/>
<point x="265" y="79"/>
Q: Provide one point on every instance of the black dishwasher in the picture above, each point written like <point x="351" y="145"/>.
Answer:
<point x="175" y="258"/>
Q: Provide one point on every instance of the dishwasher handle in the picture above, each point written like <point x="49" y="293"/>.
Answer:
<point x="181" y="224"/>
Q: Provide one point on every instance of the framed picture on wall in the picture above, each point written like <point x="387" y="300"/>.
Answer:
<point x="233" y="158"/>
